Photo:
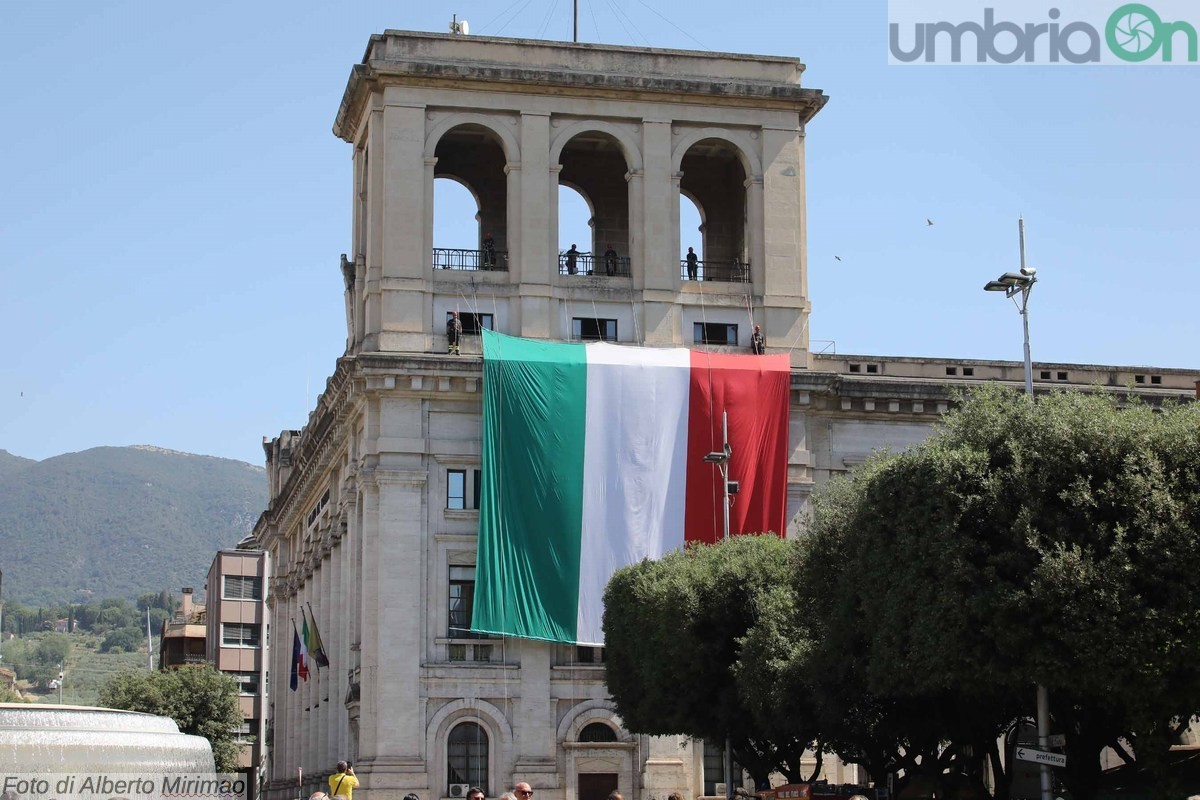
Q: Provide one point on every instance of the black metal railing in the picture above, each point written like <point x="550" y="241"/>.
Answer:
<point x="725" y="271"/>
<point x="592" y="264"/>
<point x="457" y="258"/>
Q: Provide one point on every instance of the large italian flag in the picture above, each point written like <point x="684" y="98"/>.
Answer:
<point x="593" y="459"/>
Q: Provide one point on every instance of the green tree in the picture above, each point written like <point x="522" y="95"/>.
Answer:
<point x="673" y="631"/>
<point x="1025" y="543"/>
<point x="201" y="700"/>
<point x="127" y="640"/>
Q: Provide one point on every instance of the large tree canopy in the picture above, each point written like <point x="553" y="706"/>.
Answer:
<point x="201" y="700"/>
<point x="673" y="630"/>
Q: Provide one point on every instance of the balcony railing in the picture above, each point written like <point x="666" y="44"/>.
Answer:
<point x="725" y="271"/>
<point x="456" y="258"/>
<point x="592" y="264"/>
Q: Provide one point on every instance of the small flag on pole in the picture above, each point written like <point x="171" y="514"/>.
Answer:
<point x="295" y="679"/>
<point x="316" y="648"/>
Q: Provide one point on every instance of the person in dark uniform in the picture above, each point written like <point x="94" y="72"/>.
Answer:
<point x="453" y="333"/>
<point x="572" y="255"/>
<point x="757" y="344"/>
<point x="692" y="262"/>
<point x="489" y="251"/>
<point x="610" y="260"/>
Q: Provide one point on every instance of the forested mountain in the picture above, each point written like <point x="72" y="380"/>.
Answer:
<point x="119" y="521"/>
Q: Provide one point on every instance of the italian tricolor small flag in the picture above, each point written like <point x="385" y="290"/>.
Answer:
<point x="593" y="459"/>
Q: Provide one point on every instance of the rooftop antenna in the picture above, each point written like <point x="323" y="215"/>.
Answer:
<point x="460" y="28"/>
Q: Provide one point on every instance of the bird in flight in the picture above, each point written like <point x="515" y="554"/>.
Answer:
<point x="928" y="222"/>
<point x="839" y="258"/>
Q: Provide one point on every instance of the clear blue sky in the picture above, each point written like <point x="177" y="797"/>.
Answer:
<point x="173" y="203"/>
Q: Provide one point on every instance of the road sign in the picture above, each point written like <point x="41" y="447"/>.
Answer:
<point x="1057" y="740"/>
<point x="1041" y="757"/>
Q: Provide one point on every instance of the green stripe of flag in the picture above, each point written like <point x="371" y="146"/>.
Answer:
<point x="530" y="517"/>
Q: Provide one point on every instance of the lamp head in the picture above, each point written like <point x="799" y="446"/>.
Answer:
<point x="1029" y="272"/>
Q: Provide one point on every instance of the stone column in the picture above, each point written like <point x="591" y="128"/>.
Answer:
<point x="393" y="614"/>
<point x="534" y="725"/>
<point x="430" y="324"/>
<point x="538" y="210"/>
<point x="405" y="219"/>
<point x="660" y="234"/>
<point x="373" y="227"/>
<point x="784" y="283"/>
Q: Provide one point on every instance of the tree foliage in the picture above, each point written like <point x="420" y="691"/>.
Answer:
<point x="1051" y="542"/>
<point x="201" y="700"/>
<point x="678" y="623"/>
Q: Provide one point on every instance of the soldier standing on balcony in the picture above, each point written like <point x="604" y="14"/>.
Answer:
<point x="610" y="260"/>
<point x="572" y="254"/>
<point x="453" y="333"/>
<point x="757" y="345"/>
<point x="489" y="251"/>
<point x="692" y="261"/>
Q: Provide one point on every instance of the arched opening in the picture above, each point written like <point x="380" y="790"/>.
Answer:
<point x="714" y="180"/>
<point x="574" y="231"/>
<point x="597" y="732"/>
<point x="471" y="158"/>
<point x="594" y="166"/>
<point x="466" y="759"/>
<point x="691" y="239"/>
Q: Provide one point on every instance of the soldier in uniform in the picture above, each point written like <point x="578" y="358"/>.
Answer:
<point x="453" y="333"/>
<point x="757" y="345"/>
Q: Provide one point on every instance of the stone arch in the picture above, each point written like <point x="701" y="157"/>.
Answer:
<point x="741" y="143"/>
<point x="482" y="713"/>
<point x="586" y="713"/>
<point x="626" y="140"/>
<point x="508" y="141"/>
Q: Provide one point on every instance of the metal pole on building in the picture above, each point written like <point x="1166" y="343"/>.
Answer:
<point x="721" y="460"/>
<point x="576" y="39"/>
<point x="1013" y="284"/>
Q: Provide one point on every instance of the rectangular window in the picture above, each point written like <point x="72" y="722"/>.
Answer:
<point x="589" y="655"/>
<point x="472" y="324"/>
<point x="949" y="371"/>
<point x="242" y="587"/>
<point x="719" y="333"/>
<point x="1062" y="376"/>
<point x="969" y="371"/>
<point x="1156" y="380"/>
<point x="239" y="634"/>
<point x="456" y="489"/>
<point x="459" y="490"/>
<point x="594" y="329"/>
<point x="462" y="601"/>
<point x="246" y="731"/>
<point x="714" y="767"/>
<point x="247" y="682"/>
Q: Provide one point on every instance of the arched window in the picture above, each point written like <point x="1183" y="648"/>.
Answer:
<point x="597" y="732"/>
<point x="467" y="757"/>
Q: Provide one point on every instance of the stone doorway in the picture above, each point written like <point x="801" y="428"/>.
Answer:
<point x="596" y="785"/>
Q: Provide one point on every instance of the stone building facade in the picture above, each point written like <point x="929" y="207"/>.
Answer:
<point x="371" y="519"/>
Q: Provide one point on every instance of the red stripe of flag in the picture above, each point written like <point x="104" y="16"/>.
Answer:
<point x="753" y="390"/>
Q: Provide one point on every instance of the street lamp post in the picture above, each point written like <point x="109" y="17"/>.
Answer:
<point x="720" y="459"/>
<point x="1013" y="284"/>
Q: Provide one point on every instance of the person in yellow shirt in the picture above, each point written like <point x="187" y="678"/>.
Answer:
<point x="342" y="783"/>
